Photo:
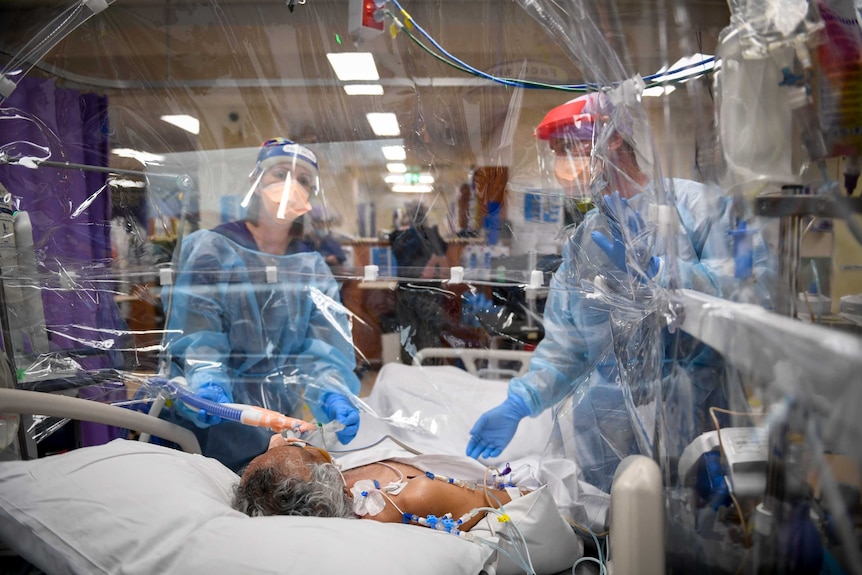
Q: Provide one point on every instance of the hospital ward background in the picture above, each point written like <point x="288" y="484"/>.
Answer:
<point x="530" y="286"/>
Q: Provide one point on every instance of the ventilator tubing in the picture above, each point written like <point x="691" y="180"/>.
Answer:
<point x="177" y="388"/>
<point x="246" y="414"/>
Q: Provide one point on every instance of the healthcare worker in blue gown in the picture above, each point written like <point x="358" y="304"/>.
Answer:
<point x="605" y="350"/>
<point x="255" y="315"/>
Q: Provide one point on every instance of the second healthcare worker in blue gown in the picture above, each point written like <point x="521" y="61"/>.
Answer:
<point x="604" y="345"/>
<point x="256" y="317"/>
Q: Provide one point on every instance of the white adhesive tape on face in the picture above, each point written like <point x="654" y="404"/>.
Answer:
<point x="371" y="273"/>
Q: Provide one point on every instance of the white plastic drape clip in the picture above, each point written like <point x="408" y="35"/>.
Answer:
<point x="7" y="86"/>
<point x="371" y="273"/>
<point x="628" y="92"/>
<point x="537" y="279"/>
<point x="166" y="276"/>
<point x="67" y="280"/>
<point x="456" y="275"/>
<point x="271" y="274"/>
<point x="95" y="5"/>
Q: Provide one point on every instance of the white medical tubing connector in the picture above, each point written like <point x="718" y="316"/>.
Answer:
<point x="329" y="431"/>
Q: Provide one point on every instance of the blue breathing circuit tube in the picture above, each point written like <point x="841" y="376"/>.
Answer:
<point x="240" y="412"/>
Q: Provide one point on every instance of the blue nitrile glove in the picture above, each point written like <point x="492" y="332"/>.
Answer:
<point x="615" y="247"/>
<point x="212" y="392"/>
<point x="340" y="409"/>
<point x="494" y="430"/>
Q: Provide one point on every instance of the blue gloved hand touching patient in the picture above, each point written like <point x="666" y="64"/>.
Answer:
<point x="340" y="409"/>
<point x="615" y="246"/>
<point x="200" y="417"/>
<point x="494" y="430"/>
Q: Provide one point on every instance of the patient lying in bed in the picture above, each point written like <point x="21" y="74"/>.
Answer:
<point x="294" y="478"/>
<point x="139" y="508"/>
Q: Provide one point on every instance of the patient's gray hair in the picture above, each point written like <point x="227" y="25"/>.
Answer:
<point x="262" y="493"/>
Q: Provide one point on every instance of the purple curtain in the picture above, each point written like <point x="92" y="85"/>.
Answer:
<point x="70" y="210"/>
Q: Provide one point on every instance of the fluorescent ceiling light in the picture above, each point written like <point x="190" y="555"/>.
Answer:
<point x="353" y="66"/>
<point x="396" y="168"/>
<point x="403" y="178"/>
<point x="394" y="153"/>
<point x="186" y="122"/>
<point x="142" y="157"/>
<point x="657" y="91"/>
<point x="384" y="124"/>
<point x="363" y="89"/>
<point x="412" y="188"/>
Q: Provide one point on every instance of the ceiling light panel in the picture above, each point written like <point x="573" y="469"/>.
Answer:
<point x="394" y="153"/>
<point x="363" y="89"/>
<point x="384" y="123"/>
<point x="412" y="188"/>
<point x="354" y="66"/>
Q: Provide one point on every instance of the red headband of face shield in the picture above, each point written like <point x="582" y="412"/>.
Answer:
<point x="573" y="120"/>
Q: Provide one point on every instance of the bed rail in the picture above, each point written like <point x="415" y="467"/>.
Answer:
<point x="40" y="403"/>
<point x="471" y="357"/>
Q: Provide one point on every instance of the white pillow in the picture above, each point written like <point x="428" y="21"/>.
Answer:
<point x="134" y="508"/>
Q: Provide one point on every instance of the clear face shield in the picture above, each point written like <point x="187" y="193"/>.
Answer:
<point x="567" y="165"/>
<point x="286" y="190"/>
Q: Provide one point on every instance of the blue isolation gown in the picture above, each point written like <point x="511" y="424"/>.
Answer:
<point x="606" y="347"/>
<point x="271" y="343"/>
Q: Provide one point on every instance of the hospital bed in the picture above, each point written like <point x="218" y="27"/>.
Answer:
<point x="485" y="363"/>
<point x="137" y="508"/>
<point x="134" y="507"/>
